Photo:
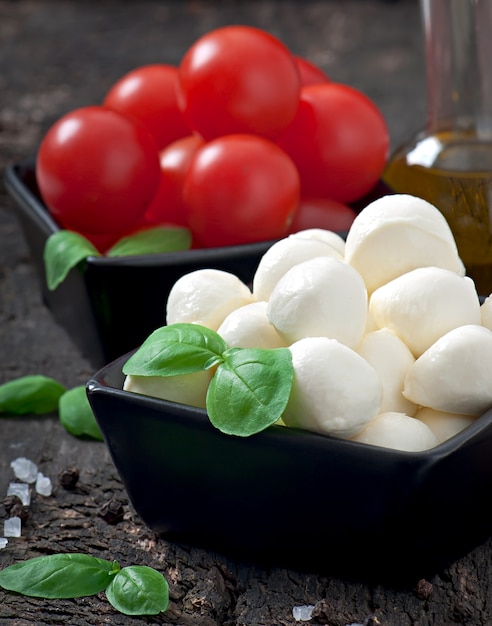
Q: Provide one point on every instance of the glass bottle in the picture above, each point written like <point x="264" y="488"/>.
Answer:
<point x="449" y="163"/>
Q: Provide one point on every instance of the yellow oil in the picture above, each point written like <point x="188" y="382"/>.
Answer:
<point x="453" y="172"/>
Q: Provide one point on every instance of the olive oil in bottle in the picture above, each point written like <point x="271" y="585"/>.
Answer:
<point x="454" y="172"/>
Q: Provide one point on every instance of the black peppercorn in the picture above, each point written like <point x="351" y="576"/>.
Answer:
<point x="424" y="589"/>
<point x="112" y="511"/>
<point x="68" y="478"/>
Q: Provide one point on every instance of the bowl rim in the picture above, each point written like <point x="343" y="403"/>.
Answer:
<point x="98" y="384"/>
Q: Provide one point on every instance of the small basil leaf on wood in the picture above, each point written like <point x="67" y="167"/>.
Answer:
<point x="250" y="390"/>
<point x="76" y="414"/>
<point x="58" y="576"/>
<point x="138" y="590"/>
<point x="176" y="349"/>
<point x="157" y="240"/>
<point x="30" y="395"/>
<point x="64" y="250"/>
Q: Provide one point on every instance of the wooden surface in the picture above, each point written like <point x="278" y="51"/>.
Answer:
<point x="55" y="56"/>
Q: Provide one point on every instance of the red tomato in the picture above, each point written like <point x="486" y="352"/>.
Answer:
<point x="167" y="205"/>
<point x="322" y="213"/>
<point x="97" y="170"/>
<point x="240" y="189"/>
<point x="310" y="73"/>
<point x="339" y="142"/>
<point x="149" y="94"/>
<point x="238" y="79"/>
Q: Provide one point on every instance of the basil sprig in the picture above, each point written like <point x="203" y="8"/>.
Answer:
<point x="133" y="590"/>
<point x="65" y="249"/>
<point x="250" y="387"/>
<point x="38" y="395"/>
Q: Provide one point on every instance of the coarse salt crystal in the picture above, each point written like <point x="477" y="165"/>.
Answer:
<point x="3" y="542"/>
<point x="43" y="485"/>
<point x="21" y="490"/>
<point x="302" y="613"/>
<point x="12" y="527"/>
<point x="24" y="469"/>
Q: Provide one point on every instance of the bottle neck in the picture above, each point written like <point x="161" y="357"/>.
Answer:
<point x="458" y="49"/>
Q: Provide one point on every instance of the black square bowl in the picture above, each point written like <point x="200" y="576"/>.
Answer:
<point x="108" y="306"/>
<point x="287" y="497"/>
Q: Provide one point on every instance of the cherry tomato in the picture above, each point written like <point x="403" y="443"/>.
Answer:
<point x="97" y="170"/>
<point x="238" y="79"/>
<point x="240" y="189"/>
<point x="167" y="207"/>
<point x="322" y="213"/>
<point x="149" y="93"/>
<point x="338" y="140"/>
<point x="310" y="73"/>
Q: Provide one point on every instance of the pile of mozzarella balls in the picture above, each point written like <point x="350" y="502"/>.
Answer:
<point x="390" y="344"/>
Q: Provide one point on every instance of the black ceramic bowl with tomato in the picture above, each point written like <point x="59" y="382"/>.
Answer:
<point x="266" y="134"/>
<point x="289" y="497"/>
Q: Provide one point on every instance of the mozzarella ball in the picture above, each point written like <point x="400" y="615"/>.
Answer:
<point x="282" y="256"/>
<point x="454" y="373"/>
<point x="206" y="297"/>
<point x="248" y="327"/>
<point x="323" y="297"/>
<point x="335" y="390"/>
<point x="399" y="432"/>
<point x="396" y="234"/>
<point x="321" y="234"/>
<point x="392" y="359"/>
<point x="444" y="425"/>
<point x="425" y="304"/>
<point x="188" y="389"/>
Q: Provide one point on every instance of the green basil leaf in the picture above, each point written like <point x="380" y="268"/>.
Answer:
<point x="76" y="414"/>
<point x="177" y="349"/>
<point x="63" y="250"/>
<point x="152" y="241"/>
<point x="138" y="590"/>
<point x="30" y="395"/>
<point x="250" y="390"/>
<point x="58" y="576"/>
